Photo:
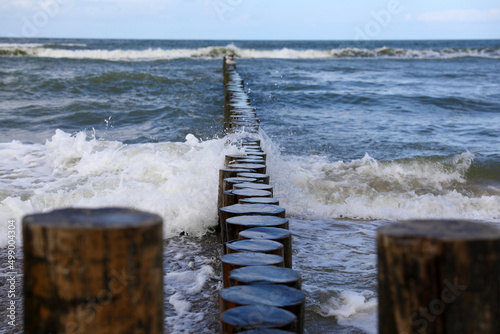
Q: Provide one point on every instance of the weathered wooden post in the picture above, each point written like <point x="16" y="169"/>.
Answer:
<point x="275" y="295"/>
<point x="246" y="209"/>
<point x="224" y="174"/>
<point x="259" y="168"/>
<point x="255" y="246"/>
<point x="272" y="233"/>
<point x="262" y="178"/>
<point x="93" y="271"/>
<point x="245" y="206"/>
<point x="241" y="194"/>
<point x="259" y="200"/>
<point x="238" y="319"/>
<point x="239" y="260"/>
<point x="235" y="225"/>
<point x="253" y="185"/>
<point x="439" y="277"/>
<point x="265" y="275"/>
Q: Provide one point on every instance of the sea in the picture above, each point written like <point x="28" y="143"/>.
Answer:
<point x="359" y="134"/>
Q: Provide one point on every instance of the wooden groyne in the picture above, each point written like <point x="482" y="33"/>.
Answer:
<point x="261" y="290"/>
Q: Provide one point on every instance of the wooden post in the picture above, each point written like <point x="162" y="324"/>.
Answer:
<point x="241" y="194"/>
<point x="251" y="160"/>
<point x="275" y="295"/>
<point x="251" y="141"/>
<point x="93" y="271"/>
<point x="259" y="200"/>
<point x="249" y="185"/>
<point x="229" y="182"/>
<point x="235" y="225"/>
<point x="224" y="174"/>
<point x="256" y="246"/>
<point x="244" y="210"/>
<point x="258" y="168"/>
<point x="235" y="196"/>
<point x="265" y="275"/>
<point x="229" y="158"/>
<point x="439" y="277"/>
<point x="262" y="178"/>
<point x="258" y="154"/>
<point x="272" y="233"/>
<point x="258" y="211"/>
<point x="254" y="317"/>
<point x="266" y="331"/>
<point x="252" y="209"/>
<point x="228" y="198"/>
<point x="239" y="260"/>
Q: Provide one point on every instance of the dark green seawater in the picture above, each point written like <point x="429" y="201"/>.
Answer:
<point x="359" y="134"/>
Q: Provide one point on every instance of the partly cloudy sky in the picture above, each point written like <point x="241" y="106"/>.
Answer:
<point x="252" y="19"/>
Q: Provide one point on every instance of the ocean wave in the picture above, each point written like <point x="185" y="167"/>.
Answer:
<point x="351" y="308"/>
<point x="150" y="54"/>
<point x="64" y="45"/>
<point x="77" y="171"/>
<point x="418" y="188"/>
<point x="216" y="52"/>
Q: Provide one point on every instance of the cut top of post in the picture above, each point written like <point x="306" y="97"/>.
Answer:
<point x="259" y="294"/>
<point x="247" y="165"/>
<point x="265" y="275"/>
<point x="257" y="220"/>
<point x="441" y="230"/>
<point x="253" y="316"/>
<point x="108" y="218"/>
<point x="265" y="232"/>
<point x="254" y="209"/>
<point x="265" y="330"/>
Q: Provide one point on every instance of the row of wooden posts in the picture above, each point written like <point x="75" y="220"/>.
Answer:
<point x="101" y="270"/>
<point x="260" y="288"/>
<point x="434" y="276"/>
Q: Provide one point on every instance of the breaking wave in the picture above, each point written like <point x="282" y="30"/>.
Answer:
<point x="366" y="188"/>
<point x="78" y="51"/>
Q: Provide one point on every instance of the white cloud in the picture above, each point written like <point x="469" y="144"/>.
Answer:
<point x="461" y="15"/>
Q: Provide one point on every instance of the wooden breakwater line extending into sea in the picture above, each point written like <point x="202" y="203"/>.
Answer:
<point x="101" y="270"/>
<point x="260" y="288"/>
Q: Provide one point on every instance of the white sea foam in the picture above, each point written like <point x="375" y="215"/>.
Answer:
<point x="182" y="285"/>
<point x="353" y="309"/>
<point x="210" y="52"/>
<point x="187" y="286"/>
<point x="338" y="265"/>
<point x="369" y="189"/>
<point x="177" y="180"/>
<point x="12" y="46"/>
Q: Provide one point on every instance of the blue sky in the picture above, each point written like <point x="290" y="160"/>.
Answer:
<point x="252" y="19"/>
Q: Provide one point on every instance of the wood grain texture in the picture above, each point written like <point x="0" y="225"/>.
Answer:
<point x="93" y="271"/>
<point x="439" y="277"/>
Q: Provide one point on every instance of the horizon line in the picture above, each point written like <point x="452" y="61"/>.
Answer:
<point x="265" y="39"/>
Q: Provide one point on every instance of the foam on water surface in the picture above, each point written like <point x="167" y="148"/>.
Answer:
<point x="215" y="52"/>
<point x="418" y="188"/>
<point x="191" y="284"/>
<point x="337" y="262"/>
<point x="177" y="180"/>
<point x="334" y="205"/>
<point x="354" y="309"/>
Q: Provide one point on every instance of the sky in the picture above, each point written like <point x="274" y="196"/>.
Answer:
<point x="252" y="19"/>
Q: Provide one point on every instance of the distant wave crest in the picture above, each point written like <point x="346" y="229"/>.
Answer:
<point x="216" y="52"/>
